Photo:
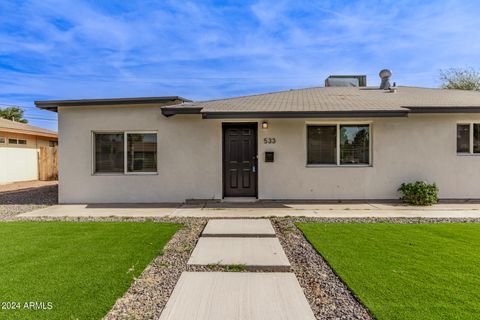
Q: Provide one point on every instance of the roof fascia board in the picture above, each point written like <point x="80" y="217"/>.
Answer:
<point x="294" y="114"/>
<point x="53" y="105"/>
<point x="471" y="109"/>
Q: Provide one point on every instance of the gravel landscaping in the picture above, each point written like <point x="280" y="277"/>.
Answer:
<point x="13" y="202"/>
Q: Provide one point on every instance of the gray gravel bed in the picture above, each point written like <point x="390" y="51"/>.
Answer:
<point x="16" y="202"/>
<point x="328" y="296"/>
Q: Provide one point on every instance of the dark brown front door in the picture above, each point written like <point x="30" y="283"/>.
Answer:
<point x="240" y="160"/>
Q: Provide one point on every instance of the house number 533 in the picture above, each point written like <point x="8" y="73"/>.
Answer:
<point x="269" y="141"/>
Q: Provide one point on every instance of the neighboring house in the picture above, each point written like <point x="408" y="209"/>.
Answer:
<point x="19" y="144"/>
<point x="325" y="143"/>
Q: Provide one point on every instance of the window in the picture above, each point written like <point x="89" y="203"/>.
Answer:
<point x="12" y="141"/>
<point x="463" y="138"/>
<point x="142" y="152"/>
<point x="109" y="155"/>
<point x="476" y="138"/>
<point x="354" y="144"/>
<point x="340" y="144"/>
<point x="322" y="144"/>
<point x="52" y="143"/>
<point x="2" y="140"/>
<point x="468" y="138"/>
<point x="22" y="141"/>
<point x="125" y="152"/>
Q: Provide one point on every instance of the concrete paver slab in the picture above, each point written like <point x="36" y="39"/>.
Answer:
<point x="238" y="228"/>
<point x="254" y="253"/>
<point x="237" y="296"/>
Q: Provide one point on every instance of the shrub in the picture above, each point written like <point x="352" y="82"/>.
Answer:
<point x="419" y="193"/>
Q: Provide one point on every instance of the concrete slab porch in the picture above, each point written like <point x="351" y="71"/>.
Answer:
<point x="259" y="228"/>
<point x="265" y="254"/>
<point x="344" y="210"/>
<point x="237" y="296"/>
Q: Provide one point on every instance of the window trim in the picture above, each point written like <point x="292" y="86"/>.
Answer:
<point x="12" y="139"/>
<point x="470" y="124"/>
<point x="338" y="124"/>
<point x="125" y="153"/>
<point x="4" y="140"/>
<point x="23" y="142"/>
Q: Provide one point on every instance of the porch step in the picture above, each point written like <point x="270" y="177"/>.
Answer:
<point x="259" y="254"/>
<point x="237" y="296"/>
<point x="239" y="228"/>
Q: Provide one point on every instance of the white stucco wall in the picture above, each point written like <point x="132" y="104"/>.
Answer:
<point x="18" y="164"/>
<point x="420" y="147"/>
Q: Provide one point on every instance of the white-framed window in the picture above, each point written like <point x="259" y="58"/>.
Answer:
<point x="12" y="141"/>
<point x="22" y="141"/>
<point x="468" y="138"/>
<point x="2" y="140"/>
<point x="126" y="152"/>
<point x="340" y="144"/>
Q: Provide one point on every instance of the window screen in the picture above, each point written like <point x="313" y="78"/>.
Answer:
<point x="322" y="141"/>
<point x="109" y="155"/>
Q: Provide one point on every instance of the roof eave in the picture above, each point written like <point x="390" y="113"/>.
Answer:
<point x="304" y="114"/>
<point x="52" y="105"/>
<point x="434" y="109"/>
<point x="30" y="132"/>
<point x="168" y="112"/>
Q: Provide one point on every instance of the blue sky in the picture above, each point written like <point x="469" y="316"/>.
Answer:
<point x="215" y="49"/>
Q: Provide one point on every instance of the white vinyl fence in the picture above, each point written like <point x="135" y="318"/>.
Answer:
<point x="17" y="164"/>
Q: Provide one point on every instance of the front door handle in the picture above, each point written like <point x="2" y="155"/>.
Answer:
<point x="254" y="169"/>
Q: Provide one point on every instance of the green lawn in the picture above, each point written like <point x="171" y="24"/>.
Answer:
<point x="81" y="268"/>
<point x="420" y="271"/>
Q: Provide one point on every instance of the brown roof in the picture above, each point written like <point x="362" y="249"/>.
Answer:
<point x="344" y="100"/>
<point x="18" y="127"/>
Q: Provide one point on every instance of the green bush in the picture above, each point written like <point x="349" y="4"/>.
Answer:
<point x="419" y="193"/>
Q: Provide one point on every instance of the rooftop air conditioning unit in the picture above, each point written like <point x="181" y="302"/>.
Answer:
<point x="346" y="81"/>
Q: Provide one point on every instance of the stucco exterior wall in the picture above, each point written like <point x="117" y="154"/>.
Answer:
<point x="189" y="157"/>
<point x="420" y="147"/>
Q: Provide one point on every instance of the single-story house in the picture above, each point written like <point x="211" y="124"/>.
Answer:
<point x="322" y="143"/>
<point x="19" y="145"/>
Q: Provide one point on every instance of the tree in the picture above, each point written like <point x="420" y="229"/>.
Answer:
<point x="13" y="113"/>
<point x="462" y="79"/>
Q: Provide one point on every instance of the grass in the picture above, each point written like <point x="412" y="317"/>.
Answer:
<point x="419" y="271"/>
<point x="228" y="268"/>
<point x="77" y="268"/>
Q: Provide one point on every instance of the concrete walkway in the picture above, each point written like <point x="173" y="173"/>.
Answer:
<point x="243" y="295"/>
<point x="226" y="210"/>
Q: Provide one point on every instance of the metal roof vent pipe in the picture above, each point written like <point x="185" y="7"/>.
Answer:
<point x="385" y="74"/>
